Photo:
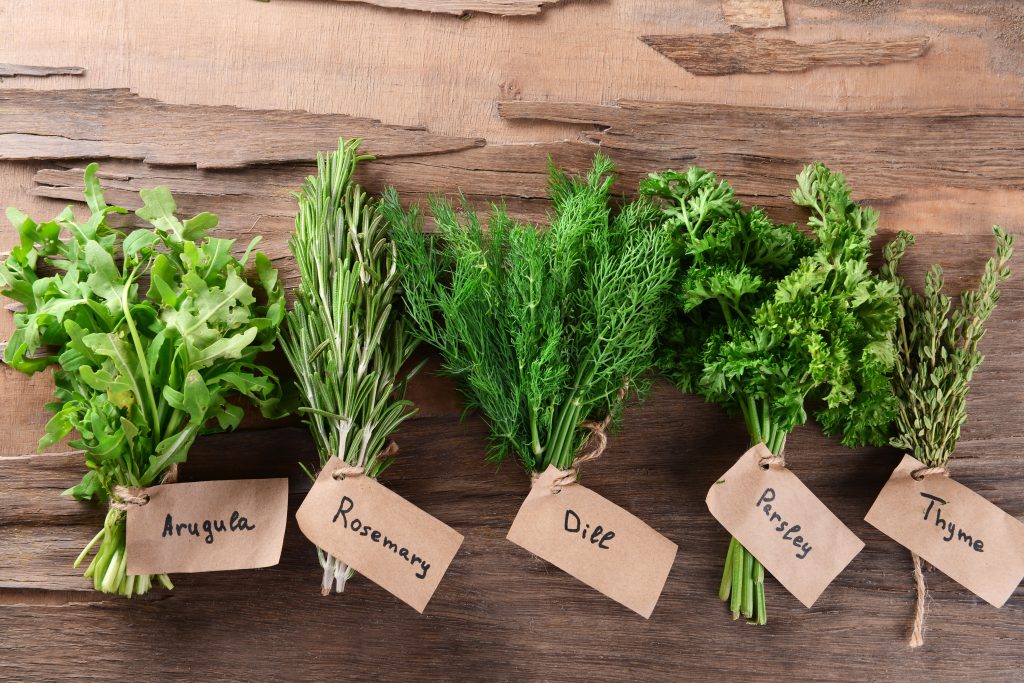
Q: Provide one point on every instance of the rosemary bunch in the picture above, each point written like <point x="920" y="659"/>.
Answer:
<point x="543" y="328"/>
<point x="937" y="354"/>
<point x="345" y="338"/>
<point x="767" y="320"/>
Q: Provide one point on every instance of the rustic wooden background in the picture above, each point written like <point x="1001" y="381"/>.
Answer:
<point x="920" y="102"/>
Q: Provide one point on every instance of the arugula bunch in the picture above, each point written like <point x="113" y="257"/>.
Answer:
<point x="141" y="370"/>
<point x="346" y="339"/>
<point x="936" y="356"/>
<point x="543" y="328"/>
<point x="768" y="320"/>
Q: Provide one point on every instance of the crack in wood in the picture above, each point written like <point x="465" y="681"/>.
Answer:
<point x="463" y="8"/>
<point x="721" y="54"/>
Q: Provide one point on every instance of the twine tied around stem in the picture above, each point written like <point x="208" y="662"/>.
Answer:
<point x="767" y="461"/>
<point x="917" y="633"/>
<point x="592" y="449"/>
<point x="123" y="496"/>
<point x="347" y="470"/>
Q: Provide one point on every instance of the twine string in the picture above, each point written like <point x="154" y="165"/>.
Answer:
<point x="347" y="470"/>
<point x="917" y="633"/>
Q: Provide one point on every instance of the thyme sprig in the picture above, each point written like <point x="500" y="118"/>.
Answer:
<point x="345" y="338"/>
<point x="937" y="355"/>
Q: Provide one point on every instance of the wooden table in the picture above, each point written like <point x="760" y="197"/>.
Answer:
<point x="918" y="102"/>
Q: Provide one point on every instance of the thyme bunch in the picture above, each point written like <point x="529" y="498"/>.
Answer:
<point x="345" y="338"/>
<point x="937" y="354"/>
<point x="542" y="328"/>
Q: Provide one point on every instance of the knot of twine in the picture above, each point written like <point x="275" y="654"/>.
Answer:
<point x="591" y="450"/>
<point x="346" y="470"/>
<point x="123" y="496"/>
<point x="917" y="634"/>
<point x="767" y="461"/>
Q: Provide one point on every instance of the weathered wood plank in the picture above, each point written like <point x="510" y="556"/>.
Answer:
<point x="502" y="8"/>
<point x="916" y="166"/>
<point x="9" y="70"/>
<point x="269" y="623"/>
<point x="720" y="54"/>
<point x="754" y="13"/>
<point x="91" y="124"/>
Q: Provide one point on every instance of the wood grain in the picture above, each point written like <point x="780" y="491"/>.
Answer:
<point x="720" y="54"/>
<point x="754" y="13"/>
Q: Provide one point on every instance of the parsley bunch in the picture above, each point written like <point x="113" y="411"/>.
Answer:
<point x="543" y="328"/>
<point x="937" y="354"/>
<point x="346" y="339"/>
<point x="141" y="370"/>
<point x="768" y="320"/>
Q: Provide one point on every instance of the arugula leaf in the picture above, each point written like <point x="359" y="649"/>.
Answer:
<point x="139" y="376"/>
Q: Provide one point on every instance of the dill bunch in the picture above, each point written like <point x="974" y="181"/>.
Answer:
<point x="768" y="320"/>
<point x="937" y="354"/>
<point x="543" y="328"/>
<point x="345" y="338"/>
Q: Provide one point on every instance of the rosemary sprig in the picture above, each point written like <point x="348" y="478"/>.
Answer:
<point x="542" y="328"/>
<point x="345" y="338"/>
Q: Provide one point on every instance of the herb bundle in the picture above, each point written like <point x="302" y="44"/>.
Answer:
<point x="767" y="320"/>
<point x="141" y="372"/>
<point x="346" y="339"/>
<point x="936" y="356"/>
<point x="543" y="328"/>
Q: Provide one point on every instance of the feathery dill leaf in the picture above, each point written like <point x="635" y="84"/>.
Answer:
<point x="542" y="328"/>
<point x="345" y="338"/>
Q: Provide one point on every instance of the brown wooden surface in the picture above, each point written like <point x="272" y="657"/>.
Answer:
<point x="226" y="103"/>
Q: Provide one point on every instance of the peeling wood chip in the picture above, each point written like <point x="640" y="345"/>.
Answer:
<point x="462" y="8"/>
<point x="719" y="54"/>
<point x="8" y="70"/>
<point x="91" y="124"/>
<point x="754" y="13"/>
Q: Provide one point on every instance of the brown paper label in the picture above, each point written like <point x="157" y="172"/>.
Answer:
<point x="208" y="526"/>
<point x="595" y="541"/>
<point x="381" y="535"/>
<point x="968" y="538"/>
<point x="782" y="524"/>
